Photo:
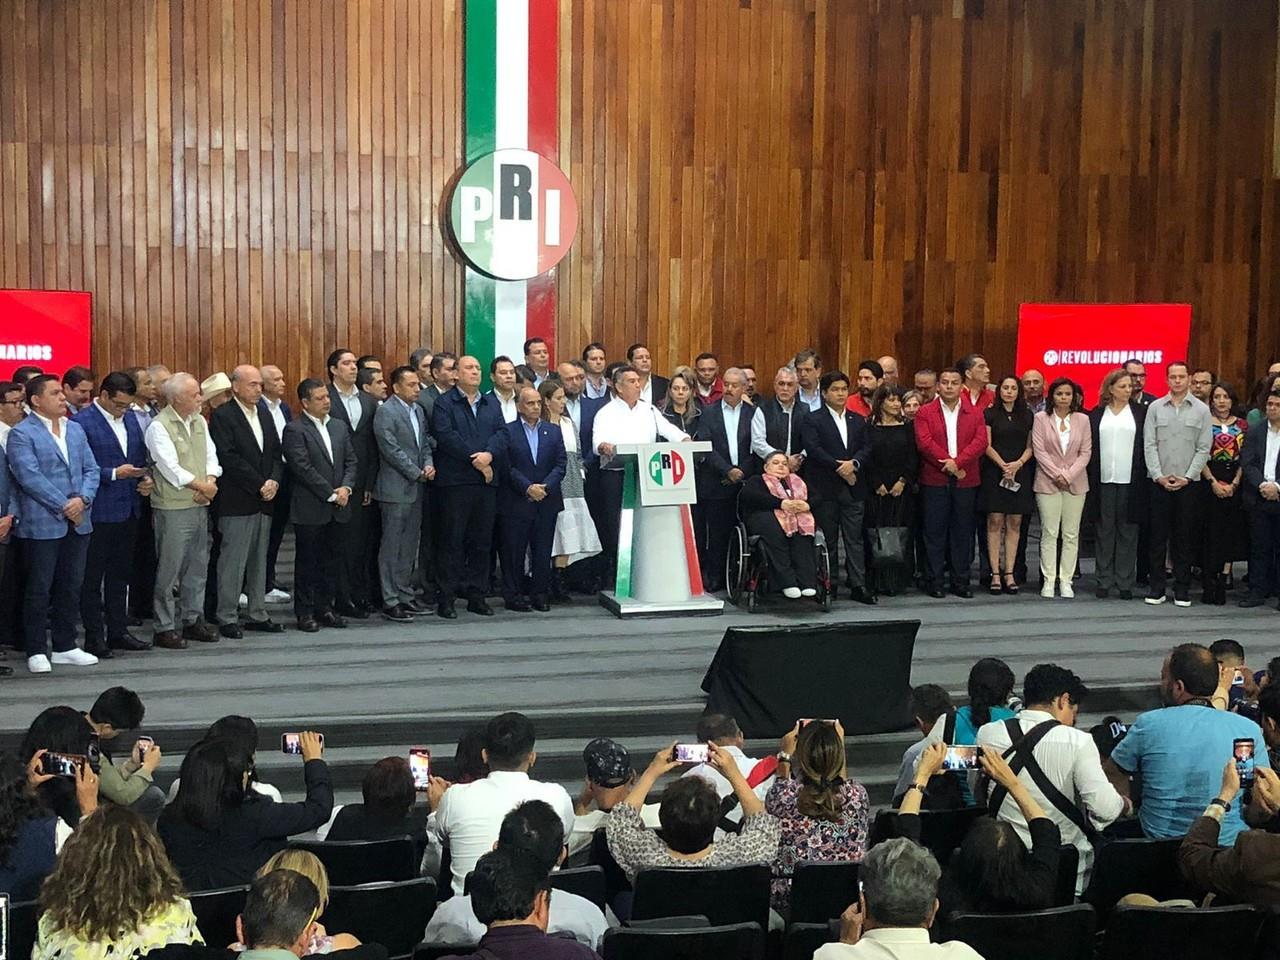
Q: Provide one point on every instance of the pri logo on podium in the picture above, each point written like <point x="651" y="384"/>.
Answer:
<point x="666" y="468"/>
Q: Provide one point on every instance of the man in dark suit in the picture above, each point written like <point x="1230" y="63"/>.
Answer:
<point x="652" y="388"/>
<point x="358" y="594"/>
<point x="444" y="374"/>
<point x="322" y="461"/>
<point x="726" y="425"/>
<point x="581" y="408"/>
<point x="6" y="521"/>
<point x="530" y="500"/>
<point x="837" y="444"/>
<point x="1260" y="463"/>
<point x="470" y="444"/>
<point x="115" y="438"/>
<point x="274" y="404"/>
<point x="249" y="451"/>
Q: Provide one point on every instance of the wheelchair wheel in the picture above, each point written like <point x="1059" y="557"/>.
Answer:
<point x="735" y="564"/>
<point x="826" y="589"/>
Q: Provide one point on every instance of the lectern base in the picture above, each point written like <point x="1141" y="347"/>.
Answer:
<point x="625" y="608"/>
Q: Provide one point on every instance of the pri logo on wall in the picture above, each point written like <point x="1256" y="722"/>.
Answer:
<point x="666" y="468"/>
<point x="513" y="214"/>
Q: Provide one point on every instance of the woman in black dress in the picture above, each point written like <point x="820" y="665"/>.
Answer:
<point x="1006" y="495"/>
<point x="891" y="481"/>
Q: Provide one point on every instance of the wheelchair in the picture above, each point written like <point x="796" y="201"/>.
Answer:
<point x="747" y="569"/>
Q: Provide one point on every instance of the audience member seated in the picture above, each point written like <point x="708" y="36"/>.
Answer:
<point x="1249" y="870"/>
<point x="992" y="871"/>
<point x="307" y="864"/>
<point x="468" y="816"/>
<point x="31" y="834"/>
<point x="279" y="918"/>
<point x="1050" y="750"/>
<point x="389" y="809"/>
<point x="113" y="894"/>
<point x="689" y="812"/>
<point x="532" y="828"/>
<point x="775" y="507"/>
<point x="468" y="758"/>
<point x="62" y="730"/>
<point x="723" y="730"/>
<point x="240" y="735"/>
<point x="928" y="702"/>
<point x="822" y="815"/>
<point x="218" y="832"/>
<point x="1176" y="752"/>
<point x="897" y="906"/>
<point x="511" y="895"/>
<point x="610" y="778"/>
<point x="990" y="692"/>
<point x="118" y="711"/>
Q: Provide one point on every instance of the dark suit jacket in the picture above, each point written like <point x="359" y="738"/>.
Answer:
<point x="660" y="385"/>
<point x="117" y="500"/>
<point x="284" y="409"/>
<point x="245" y="468"/>
<point x="589" y="408"/>
<point x="715" y="464"/>
<point x="362" y="438"/>
<point x="459" y="434"/>
<point x="1138" y="485"/>
<point x="1251" y="457"/>
<point x="522" y="470"/>
<point x="315" y="475"/>
<point x="823" y="448"/>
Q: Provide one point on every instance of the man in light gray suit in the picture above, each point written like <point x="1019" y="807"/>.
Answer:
<point x="405" y="450"/>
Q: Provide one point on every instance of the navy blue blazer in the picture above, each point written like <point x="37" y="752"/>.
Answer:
<point x="715" y="464"/>
<point x="6" y="490"/>
<point x="284" y="409"/>
<point x="118" y="500"/>
<point x="459" y="434"/>
<point x="587" y="410"/>
<point x="823" y="448"/>
<point x="1253" y="469"/>
<point x="522" y="470"/>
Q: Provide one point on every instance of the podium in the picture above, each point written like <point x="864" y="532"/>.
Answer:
<point x="658" y="573"/>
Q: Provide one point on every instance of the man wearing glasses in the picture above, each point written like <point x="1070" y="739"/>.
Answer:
<point x="11" y="413"/>
<point x="11" y="409"/>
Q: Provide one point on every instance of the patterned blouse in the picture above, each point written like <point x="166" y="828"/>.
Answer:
<point x="174" y="924"/>
<point x="806" y="838"/>
<point x="1228" y="442"/>
<point x="635" y="847"/>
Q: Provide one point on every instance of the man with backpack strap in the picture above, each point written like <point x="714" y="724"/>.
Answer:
<point x="1058" y="764"/>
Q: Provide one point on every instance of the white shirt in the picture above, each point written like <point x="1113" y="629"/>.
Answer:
<point x="352" y="405"/>
<point x="896" y="943"/>
<point x="722" y="784"/>
<point x="413" y="419"/>
<point x="117" y="427"/>
<point x="811" y="400"/>
<point x="165" y="455"/>
<point x="586" y="824"/>
<point x="759" y="439"/>
<point x="255" y="425"/>
<point x="646" y="392"/>
<point x="1116" y="435"/>
<point x="59" y="438"/>
<point x="596" y="392"/>
<point x="4" y="436"/>
<point x="1269" y="456"/>
<point x="616" y="423"/>
<point x="276" y="409"/>
<point x="573" y="407"/>
<point x="1070" y="760"/>
<point x="842" y="427"/>
<point x="509" y="411"/>
<point x="455" y="920"/>
<point x="1063" y="426"/>
<point x="323" y="427"/>
<point x="470" y="815"/>
<point x="731" y="417"/>
<point x="951" y="418"/>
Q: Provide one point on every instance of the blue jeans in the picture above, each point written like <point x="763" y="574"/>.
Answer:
<point x="55" y="573"/>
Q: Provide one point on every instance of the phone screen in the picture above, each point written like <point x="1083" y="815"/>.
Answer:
<point x="692" y="753"/>
<point x="1243" y="751"/>
<point x="292" y="742"/>
<point x="420" y="767"/>
<point x="4" y="926"/>
<point x="142" y="746"/>
<point x="60" y="764"/>
<point x="961" y="758"/>
<point x="805" y="721"/>
<point x="94" y="754"/>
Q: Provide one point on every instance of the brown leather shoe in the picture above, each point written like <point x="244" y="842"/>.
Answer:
<point x="200" y="631"/>
<point x="169" y="640"/>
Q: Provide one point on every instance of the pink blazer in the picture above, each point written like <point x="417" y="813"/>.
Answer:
<point x="1051" y="462"/>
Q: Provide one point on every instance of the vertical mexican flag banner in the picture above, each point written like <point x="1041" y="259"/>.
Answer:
<point x="513" y="213"/>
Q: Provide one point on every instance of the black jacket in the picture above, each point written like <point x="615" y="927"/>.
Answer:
<point x="315" y="476"/>
<point x="1138" y="484"/>
<point x="715" y="464"/>
<point x="822" y="448"/>
<point x="459" y="434"/>
<point x="245" y="468"/>
<point x="366" y="446"/>
<point x="1253" y="469"/>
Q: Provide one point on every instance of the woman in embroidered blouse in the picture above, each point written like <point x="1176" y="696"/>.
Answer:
<point x="775" y="506"/>
<point x="113" y="894"/>
<point x="1224" y="521"/>
<point x="689" y="812"/>
<point x="823" y="814"/>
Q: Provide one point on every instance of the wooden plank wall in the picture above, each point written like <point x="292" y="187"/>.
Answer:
<point x="262" y="179"/>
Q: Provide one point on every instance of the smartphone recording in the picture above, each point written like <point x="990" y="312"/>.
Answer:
<point x="961" y="758"/>
<point x="1242" y="750"/>
<point x="420" y="767"/>
<point x="292" y="742"/>
<point x="692" y="753"/>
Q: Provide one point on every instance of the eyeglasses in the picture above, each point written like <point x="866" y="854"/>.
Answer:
<point x="11" y="403"/>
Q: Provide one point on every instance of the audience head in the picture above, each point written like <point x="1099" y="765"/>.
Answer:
<point x="160" y="375"/>
<point x="1117" y="387"/>
<point x="405" y="385"/>
<point x="468" y="758"/>
<point x="468" y="377"/>
<point x="720" y="729"/>
<point x="273" y="383"/>
<point x="1009" y="394"/>
<point x="1268" y="708"/>
<point x="369" y="362"/>
<point x="246" y="384"/>
<point x="593" y="358"/>
<point x="1222" y="400"/>
<point x="1055" y="690"/>
<point x="1137" y="371"/>
<point x="12" y="398"/>
<point x="889" y="365"/>
<point x="58" y="730"/>
<point x="525" y="375"/>
<point x="1061" y="397"/>
<point x="116" y="710"/>
<point x="1272" y="408"/>
<point x="314" y="397"/>
<point x="928" y="702"/>
<point x="1178" y="378"/>
<point x="626" y="383"/>
<point x="707" y="367"/>
<point x="974" y="369"/>
<point x="820" y="768"/>
<point x="24" y="373"/>
<point x="1032" y="386"/>
<point x="1228" y="653"/>
<point x="117" y="393"/>
<point x="280" y="911"/>
<point x="444" y="370"/>
<point x="990" y="684"/>
<point x="900" y="884"/>
<point x="573" y="377"/>
<point x="46" y="397"/>
<point x="529" y="403"/>
<point x="342" y="368"/>
<point x="509" y="886"/>
<point x="925" y="383"/>
<point x="688" y="813"/>
<point x="537" y="829"/>
<point x="303" y="862"/>
<point x="1263" y="389"/>
<point x="388" y="789"/>
<point x="808" y="367"/>
<point x="777" y="464"/>
<point x="502" y="373"/>
<point x="552" y="394"/>
<point x="950" y="382"/>
<point x="1189" y="673"/>
<point x="372" y="382"/>
<point x="78" y="384"/>
<point x="887" y="403"/>
<point x="640" y="358"/>
<point x="990" y="868"/>
<point x="215" y="390"/>
<point x="748" y="380"/>
<point x="420" y="360"/>
<point x="785" y="385"/>
<point x="182" y="392"/>
<point x="911" y="403"/>
<point x="870" y="376"/>
<point x="508" y="742"/>
<point x="111" y="876"/>
<point x="835" y="389"/>
<point x="735" y="385"/>
<point x="680" y="390"/>
<point x="609" y="771"/>
<point x="17" y="803"/>
<point x="1201" y="383"/>
<point x="213" y="779"/>
<point x="537" y="354"/>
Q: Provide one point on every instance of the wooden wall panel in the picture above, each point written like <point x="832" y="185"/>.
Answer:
<point x="262" y="179"/>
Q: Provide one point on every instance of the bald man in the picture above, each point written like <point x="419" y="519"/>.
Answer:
<point x="277" y="407"/>
<point x="890" y="367"/>
<point x="249" y="451"/>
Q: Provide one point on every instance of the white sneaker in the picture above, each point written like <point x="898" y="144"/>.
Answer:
<point x="38" y="664"/>
<point x="277" y="596"/>
<point x="1184" y="602"/>
<point x="243" y="601"/>
<point x="75" y="657"/>
<point x="1153" y="600"/>
<point x="1046" y="590"/>
<point x="808" y="592"/>
<point x="791" y="593"/>
<point x="1065" y="591"/>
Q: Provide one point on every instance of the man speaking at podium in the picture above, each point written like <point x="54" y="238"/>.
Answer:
<point x="624" y="419"/>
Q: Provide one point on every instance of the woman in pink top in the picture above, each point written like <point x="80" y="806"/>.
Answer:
<point x="1063" y="443"/>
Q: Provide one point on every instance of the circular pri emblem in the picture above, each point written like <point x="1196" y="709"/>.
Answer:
<point x="1051" y="358"/>
<point x="513" y="214"/>
<point x="666" y="469"/>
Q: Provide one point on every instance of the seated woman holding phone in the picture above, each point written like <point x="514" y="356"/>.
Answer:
<point x="31" y="834"/>
<point x="218" y="832"/>
<point x="775" y="507"/>
<point x="389" y="808"/>
<point x="689" y="812"/>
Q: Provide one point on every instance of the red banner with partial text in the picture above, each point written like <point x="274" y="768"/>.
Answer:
<point x="50" y="329"/>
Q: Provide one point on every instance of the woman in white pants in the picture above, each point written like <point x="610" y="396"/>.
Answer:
<point x="1063" y="444"/>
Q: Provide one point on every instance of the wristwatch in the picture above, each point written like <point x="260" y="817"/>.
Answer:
<point x="913" y="786"/>
<point x="1219" y="802"/>
<point x="784" y="757"/>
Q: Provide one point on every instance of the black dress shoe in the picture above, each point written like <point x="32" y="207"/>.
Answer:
<point x="540" y="604"/>
<point x="128" y="642"/>
<point x="446" y="610"/>
<point x="963" y="592"/>
<point x="516" y="606"/>
<point x="263" y="626"/>
<point x="308" y="625"/>
<point x="478" y="606"/>
<point x="356" y="611"/>
<point x="863" y="596"/>
<point x="331" y="619"/>
<point x="231" y="631"/>
<point x="1126" y="594"/>
<point x="98" y="649"/>
<point x="937" y="593"/>
<point x="6" y="671"/>
<point x="397" y="613"/>
<point x="1251" y="601"/>
<point x="417" y="608"/>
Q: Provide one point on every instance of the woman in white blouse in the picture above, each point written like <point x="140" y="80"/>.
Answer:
<point x="1063" y="445"/>
<point x="576" y="537"/>
<point x="1117" y="483"/>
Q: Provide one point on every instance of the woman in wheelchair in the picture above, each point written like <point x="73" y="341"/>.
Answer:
<point x="775" y="506"/>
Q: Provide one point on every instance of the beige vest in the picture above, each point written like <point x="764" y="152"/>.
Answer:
<point x="192" y="450"/>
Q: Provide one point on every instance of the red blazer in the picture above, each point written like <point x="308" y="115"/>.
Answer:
<point x="931" y="441"/>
